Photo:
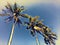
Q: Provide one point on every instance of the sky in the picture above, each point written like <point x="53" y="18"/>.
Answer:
<point x="48" y="10"/>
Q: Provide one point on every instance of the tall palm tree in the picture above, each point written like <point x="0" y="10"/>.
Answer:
<point x="37" y="26"/>
<point x="32" y="21"/>
<point x="14" y="13"/>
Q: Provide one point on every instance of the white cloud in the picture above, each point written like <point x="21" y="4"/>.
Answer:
<point x="28" y="2"/>
<point x="21" y="2"/>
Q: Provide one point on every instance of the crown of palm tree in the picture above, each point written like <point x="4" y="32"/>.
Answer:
<point x="40" y="28"/>
<point x="14" y="13"/>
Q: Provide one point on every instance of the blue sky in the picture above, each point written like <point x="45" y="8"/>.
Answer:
<point x="49" y="12"/>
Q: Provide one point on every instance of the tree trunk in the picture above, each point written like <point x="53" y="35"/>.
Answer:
<point x="37" y="41"/>
<point x="11" y="35"/>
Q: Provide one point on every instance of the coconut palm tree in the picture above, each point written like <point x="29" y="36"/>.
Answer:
<point x="37" y="26"/>
<point x="14" y="13"/>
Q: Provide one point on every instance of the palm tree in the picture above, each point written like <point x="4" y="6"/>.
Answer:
<point x="32" y="21"/>
<point x="37" y="26"/>
<point x="14" y="13"/>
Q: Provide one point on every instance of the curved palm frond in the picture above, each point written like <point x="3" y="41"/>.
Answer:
<point x="25" y="16"/>
<point x="15" y="6"/>
<point x="4" y="14"/>
<point x="8" y="6"/>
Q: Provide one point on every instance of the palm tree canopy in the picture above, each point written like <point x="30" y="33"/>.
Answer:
<point x="14" y="12"/>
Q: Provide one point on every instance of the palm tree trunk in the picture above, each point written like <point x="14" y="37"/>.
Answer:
<point x="11" y="35"/>
<point x="37" y="41"/>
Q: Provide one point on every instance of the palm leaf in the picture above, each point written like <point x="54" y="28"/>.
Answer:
<point x="4" y="14"/>
<point x="15" y="6"/>
<point x="9" y="19"/>
<point x="25" y="16"/>
<point x="9" y="7"/>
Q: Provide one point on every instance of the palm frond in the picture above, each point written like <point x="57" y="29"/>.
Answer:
<point x="9" y="19"/>
<point x="4" y="14"/>
<point x="25" y="16"/>
<point x="9" y="7"/>
<point x="15" y="6"/>
<point x="19" y="21"/>
<point x="33" y="19"/>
